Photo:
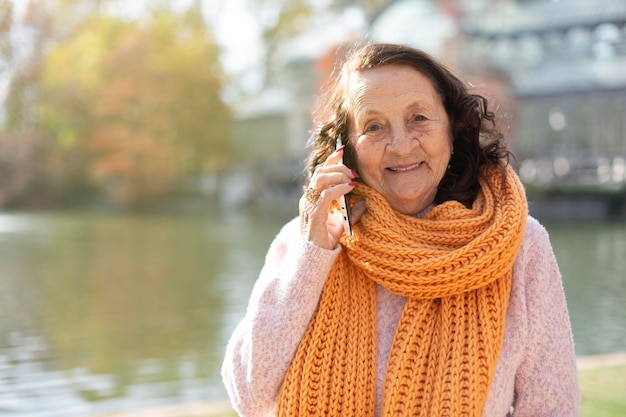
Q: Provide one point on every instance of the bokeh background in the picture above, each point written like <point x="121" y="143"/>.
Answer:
<point x="151" y="150"/>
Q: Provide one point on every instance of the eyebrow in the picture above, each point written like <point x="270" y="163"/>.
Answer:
<point x="366" y="111"/>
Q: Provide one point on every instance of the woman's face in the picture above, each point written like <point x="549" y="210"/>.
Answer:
<point x="401" y="135"/>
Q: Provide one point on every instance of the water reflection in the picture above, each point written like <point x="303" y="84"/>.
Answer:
<point x="109" y="312"/>
<point x="592" y="258"/>
<point x="102" y="313"/>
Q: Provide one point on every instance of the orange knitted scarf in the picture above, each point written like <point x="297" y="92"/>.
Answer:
<point x="454" y="266"/>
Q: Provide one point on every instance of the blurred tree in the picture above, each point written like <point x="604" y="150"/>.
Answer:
<point x="24" y="69"/>
<point x="30" y="172"/>
<point x="6" y="51"/>
<point x="142" y="101"/>
<point x="131" y="106"/>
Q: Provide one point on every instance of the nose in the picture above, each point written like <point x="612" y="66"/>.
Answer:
<point x="402" y="141"/>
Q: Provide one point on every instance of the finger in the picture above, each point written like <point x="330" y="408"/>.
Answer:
<point x="311" y="195"/>
<point x="336" y="156"/>
<point x="328" y="177"/>
<point x="332" y="173"/>
<point x="332" y="193"/>
<point x="335" y="165"/>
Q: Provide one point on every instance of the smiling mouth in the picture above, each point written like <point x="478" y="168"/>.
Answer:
<point x="404" y="168"/>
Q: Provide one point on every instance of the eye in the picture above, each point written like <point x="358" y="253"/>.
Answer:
<point x="371" y="128"/>
<point x="419" y="118"/>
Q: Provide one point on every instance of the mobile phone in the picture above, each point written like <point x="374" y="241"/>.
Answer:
<point x="342" y="201"/>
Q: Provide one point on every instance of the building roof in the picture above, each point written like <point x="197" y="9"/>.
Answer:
<point x="558" y="78"/>
<point x="417" y="23"/>
<point x="514" y="18"/>
<point x="549" y="47"/>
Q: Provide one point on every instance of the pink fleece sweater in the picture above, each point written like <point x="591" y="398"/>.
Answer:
<point x="536" y="373"/>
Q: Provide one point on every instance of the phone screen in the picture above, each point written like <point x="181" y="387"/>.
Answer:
<point x="342" y="202"/>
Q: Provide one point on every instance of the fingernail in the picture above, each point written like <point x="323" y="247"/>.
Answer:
<point x="355" y="174"/>
<point x="353" y="183"/>
<point x="340" y="148"/>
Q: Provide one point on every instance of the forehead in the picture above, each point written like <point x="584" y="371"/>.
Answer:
<point x="390" y="82"/>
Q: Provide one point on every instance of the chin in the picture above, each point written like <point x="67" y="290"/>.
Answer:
<point x="411" y="204"/>
<point x="408" y="207"/>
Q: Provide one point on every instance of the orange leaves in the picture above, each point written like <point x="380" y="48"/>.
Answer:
<point x="140" y="100"/>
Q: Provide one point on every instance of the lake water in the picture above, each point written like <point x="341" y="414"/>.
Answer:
<point x="107" y="312"/>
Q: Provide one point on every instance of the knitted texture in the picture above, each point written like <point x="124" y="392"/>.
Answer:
<point x="454" y="265"/>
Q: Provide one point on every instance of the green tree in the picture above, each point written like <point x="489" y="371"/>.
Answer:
<point x="30" y="174"/>
<point x="142" y="102"/>
<point x="6" y="22"/>
<point x="127" y="107"/>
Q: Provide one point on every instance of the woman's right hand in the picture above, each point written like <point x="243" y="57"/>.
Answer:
<point x="329" y="182"/>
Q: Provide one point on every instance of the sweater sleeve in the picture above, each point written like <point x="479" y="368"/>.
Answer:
<point x="283" y="300"/>
<point x="546" y="382"/>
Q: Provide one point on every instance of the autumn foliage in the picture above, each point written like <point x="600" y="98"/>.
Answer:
<point x="117" y="110"/>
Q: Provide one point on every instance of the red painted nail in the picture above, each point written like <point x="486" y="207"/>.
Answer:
<point x="353" y="183"/>
<point x="340" y="148"/>
<point x="355" y="174"/>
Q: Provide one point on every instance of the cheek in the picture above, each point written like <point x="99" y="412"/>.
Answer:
<point x="444" y="158"/>
<point x="439" y="158"/>
<point x="366" y="159"/>
<point x="443" y="151"/>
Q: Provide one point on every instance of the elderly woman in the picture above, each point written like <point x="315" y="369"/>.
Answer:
<point x="446" y="300"/>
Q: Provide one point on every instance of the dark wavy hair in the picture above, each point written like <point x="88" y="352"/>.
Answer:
<point x="476" y="140"/>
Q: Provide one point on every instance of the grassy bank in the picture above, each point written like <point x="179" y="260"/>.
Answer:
<point x="603" y="392"/>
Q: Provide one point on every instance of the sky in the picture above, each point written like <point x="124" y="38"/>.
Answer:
<point x="235" y="27"/>
<point x="233" y="24"/>
<point x="235" y="30"/>
<point x="238" y="34"/>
